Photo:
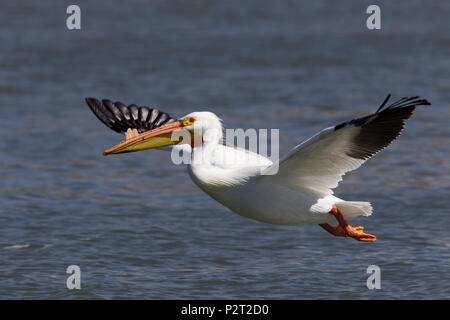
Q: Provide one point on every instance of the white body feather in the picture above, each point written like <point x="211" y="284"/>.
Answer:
<point x="236" y="178"/>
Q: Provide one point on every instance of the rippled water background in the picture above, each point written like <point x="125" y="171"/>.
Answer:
<point x="137" y="226"/>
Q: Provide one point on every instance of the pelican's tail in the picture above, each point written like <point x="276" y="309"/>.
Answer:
<point x="353" y="209"/>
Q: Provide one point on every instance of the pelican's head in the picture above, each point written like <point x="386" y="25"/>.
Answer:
<point x="194" y="129"/>
<point x="205" y="125"/>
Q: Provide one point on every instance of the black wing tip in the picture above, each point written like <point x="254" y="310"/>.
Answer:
<point x="403" y="103"/>
<point x="91" y="102"/>
<point x="380" y="129"/>
<point x="119" y="117"/>
<point x="384" y="103"/>
<point x="425" y="102"/>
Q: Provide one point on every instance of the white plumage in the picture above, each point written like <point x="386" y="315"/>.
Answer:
<point x="299" y="193"/>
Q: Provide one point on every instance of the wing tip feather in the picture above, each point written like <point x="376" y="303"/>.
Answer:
<point x="120" y="117"/>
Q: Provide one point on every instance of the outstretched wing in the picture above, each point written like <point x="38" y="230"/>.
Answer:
<point x="120" y="117"/>
<point x="320" y="162"/>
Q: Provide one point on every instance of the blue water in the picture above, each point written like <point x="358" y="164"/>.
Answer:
<point x="136" y="224"/>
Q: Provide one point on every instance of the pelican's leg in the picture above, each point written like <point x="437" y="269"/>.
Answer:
<point x="345" y="230"/>
<point x="335" y="231"/>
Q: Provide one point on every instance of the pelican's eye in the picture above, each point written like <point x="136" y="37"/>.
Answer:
<point x="189" y="121"/>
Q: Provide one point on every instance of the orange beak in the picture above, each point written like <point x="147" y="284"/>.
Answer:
<point x="159" y="137"/>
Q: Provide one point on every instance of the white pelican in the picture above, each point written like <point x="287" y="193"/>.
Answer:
<point x="299" y="193"/>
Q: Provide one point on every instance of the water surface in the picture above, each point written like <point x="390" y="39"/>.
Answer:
<point x="136" y="224"/>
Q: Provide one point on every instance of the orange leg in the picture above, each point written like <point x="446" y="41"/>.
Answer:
<point x="345" y="230"/>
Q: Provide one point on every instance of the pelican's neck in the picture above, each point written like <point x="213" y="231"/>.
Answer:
<point x="209" y="168"/>
<point x="202" y="154"/>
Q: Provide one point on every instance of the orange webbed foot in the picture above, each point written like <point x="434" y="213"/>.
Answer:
<point x="358" y="234"/>
<point x="346" y="230"/>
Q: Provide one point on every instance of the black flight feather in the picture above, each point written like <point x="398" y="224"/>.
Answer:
<point x="120" y="117"/>
<point x="378" y="130"/>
